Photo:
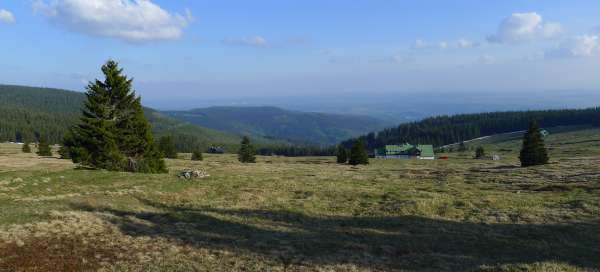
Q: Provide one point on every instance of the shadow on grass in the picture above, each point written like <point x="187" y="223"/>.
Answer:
<point x="380" y="243"/>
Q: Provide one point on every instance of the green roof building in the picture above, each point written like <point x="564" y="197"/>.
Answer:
<point x="406" y="151"/>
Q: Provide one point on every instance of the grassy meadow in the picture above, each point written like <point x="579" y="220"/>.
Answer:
<point x="308" y="214"/>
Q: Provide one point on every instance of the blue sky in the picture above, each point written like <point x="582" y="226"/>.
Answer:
<point x="179" y="50"/>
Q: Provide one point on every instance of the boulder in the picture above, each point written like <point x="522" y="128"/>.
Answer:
<point x="193" y="174"/>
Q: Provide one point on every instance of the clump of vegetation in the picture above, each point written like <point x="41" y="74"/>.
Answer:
<point x="167" y="147"/>
<point x="358" y="153"/>
<point x="216" y="150"/>
<point x="247" y="153"/>
<point x="26" y="148"/>
<point x="462" y="147"/>
<point x="342" y="155"/>
<point x="534" y="150"/>
<point x="44" y="149"/>
<point x="479" y="152"/>
<point x="113" y="133"/>
<point x="197" y="155"/>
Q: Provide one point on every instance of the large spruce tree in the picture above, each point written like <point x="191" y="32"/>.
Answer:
<point x="358" y="153"/>
<point x="533" y="151"/>
<point x="113" y="133"/>
<point x="246" y="154"/>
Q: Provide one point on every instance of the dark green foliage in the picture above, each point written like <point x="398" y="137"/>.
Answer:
<point x="275" y="123"/>
<point x="247" y="152"/>
<point x="479" y="152"/>
<point x="44" y="149"/>
<point x="444" y="130"/>
<point x="533" y="151"/>
<point x="358" y="153"/>
<point x="462" y="147"/>
<point x="167" y="147"/>
<point x="28" y="112"/>
<point x="197" y="155"/>
<point x="26" y="148"/>
<point x="113" y="133"/>
<point x="297" y="150"/>
<point x="216" y="150"/>
<point x="342" y="155"/>
<point x="64" y="153"/>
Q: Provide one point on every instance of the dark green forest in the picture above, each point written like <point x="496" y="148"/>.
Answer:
<point x="28" y="113"/>
<point x="443" y="130"/>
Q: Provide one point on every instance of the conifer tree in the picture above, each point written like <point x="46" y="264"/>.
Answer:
<point x="197" y="155"/>
<point x="246" y="154"/>
<point x="462" y="147"/>
<point x="26" y="148"/>
<point x="113" y="133"/>
<point x="479" y="152"/>
<point x="358" y="153"/>
<point x="167" y="147"/>
<point x="534" y="150"/>
<point x="44" y="149"/>
<point x="342" y="154"/>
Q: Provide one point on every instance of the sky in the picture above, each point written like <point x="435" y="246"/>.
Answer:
<point x="182" y="51"/>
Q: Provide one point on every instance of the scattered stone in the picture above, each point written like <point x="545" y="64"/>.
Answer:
<point x="193" y="174"/>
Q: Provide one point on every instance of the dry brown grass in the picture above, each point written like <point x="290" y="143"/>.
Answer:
<point x="303" y="214"/>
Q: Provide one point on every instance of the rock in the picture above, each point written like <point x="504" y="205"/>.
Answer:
<point x="193" y="174"/>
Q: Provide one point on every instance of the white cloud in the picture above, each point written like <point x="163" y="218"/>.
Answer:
<point x="464" y="43"/>
<point x="486" y="59"/>
<point x="6" y="16"/>
<point x="254" y="41"/>
<point x="420" y="44"/>
<point x="525" y="27"/>
<point x="129" y="20"/>
<point x="580" y="46"/>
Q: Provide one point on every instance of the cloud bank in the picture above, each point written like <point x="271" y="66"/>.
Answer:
<point x="127" y="20"/>
<point x="577" y="47"/>
<point x="254" y="41"/>
<point x="525" y="27"/>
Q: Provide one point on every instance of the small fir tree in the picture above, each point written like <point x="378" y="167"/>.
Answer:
<point x="534" y="150"/>
<point x="64" y="153"/>
<point x="479" y="152"/>
<point x="167" y="147"/>
<point x="197" y="155"/>
<point x="358" y="153"/>
<point x="26" y="148"/>
<point x="246" y="154"/>
<point x="342" y="155"/>
<point x="44" y="149"/>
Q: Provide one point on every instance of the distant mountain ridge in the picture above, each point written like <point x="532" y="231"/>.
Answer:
<point x="277" y="123"/>
<point x="28" y="112"/>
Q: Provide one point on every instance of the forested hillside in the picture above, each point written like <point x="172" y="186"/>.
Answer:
<point x="276" y="123"/>
<point x="26" y="113"/>
<point x="444" y="130"/>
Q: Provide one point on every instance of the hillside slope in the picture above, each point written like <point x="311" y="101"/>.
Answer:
<point x="272" y="122"/>
<point x="28" y="112"/>
<point x="443" y="130"/>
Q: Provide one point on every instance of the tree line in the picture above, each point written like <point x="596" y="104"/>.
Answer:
<point x="297" y="151"/>
<point x="443" y="130"/>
